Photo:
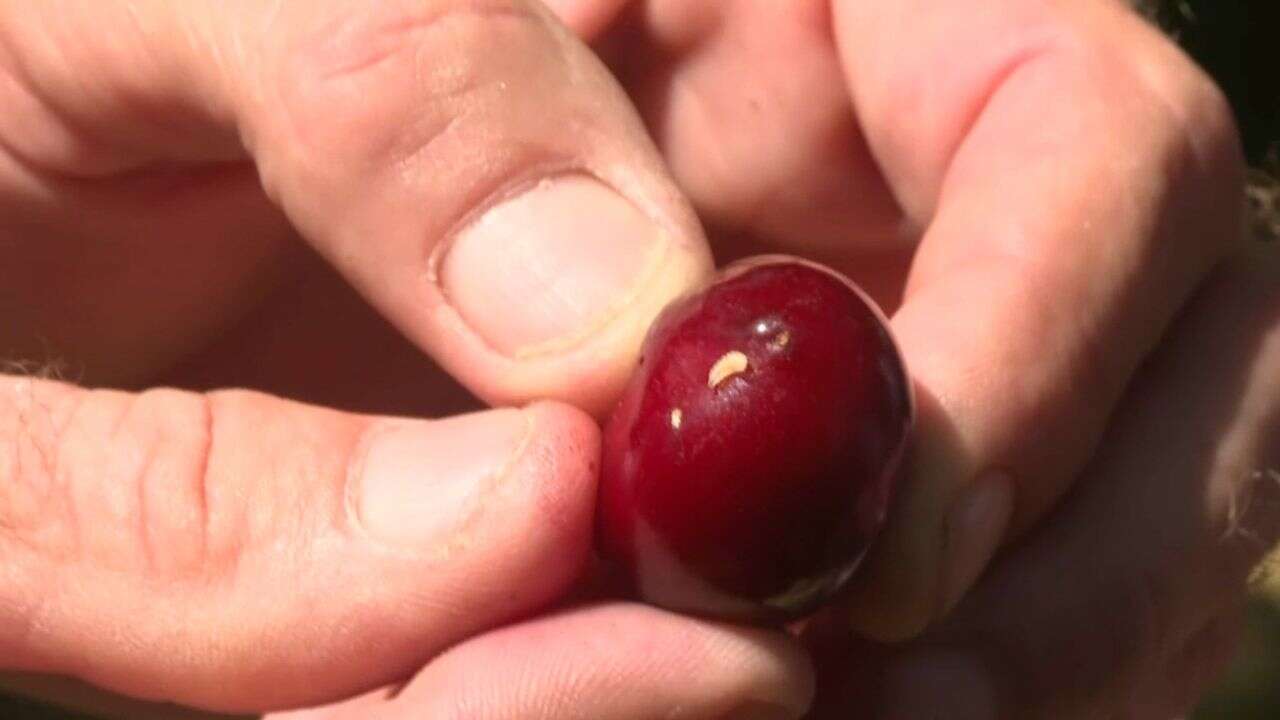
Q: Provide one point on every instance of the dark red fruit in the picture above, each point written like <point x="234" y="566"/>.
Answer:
<point x="751" y="460"/>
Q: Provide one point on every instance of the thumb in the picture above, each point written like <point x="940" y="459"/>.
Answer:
<point x="467" y="165"/>
<point x="235" y="552"/>
<point x="476" y="173"/>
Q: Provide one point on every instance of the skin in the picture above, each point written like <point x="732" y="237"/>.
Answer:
<point x="285" y="197"/>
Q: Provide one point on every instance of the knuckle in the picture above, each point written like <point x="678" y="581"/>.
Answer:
<point x="31" y="511"/>
<point x="104" y="476"/>
<point x="1200" y="154"/>
<point x="405" y="67"/>
<point x="447" y="100"/>
<point x="1201" y="132"/>
<point x="131" y="467"/>
<point x="167" y="437"/>
<point x="1200" y="110"/>
<point x="1182" y="124"/>
<point x="1153" y="91"/>
<point x="275" y="476"/>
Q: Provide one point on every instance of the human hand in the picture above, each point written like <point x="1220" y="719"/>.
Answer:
<point x="1033" y="189"/>
<point x="1037" y="189"/>
<point x="1126" y="603"/>
<point x="240" y="551"/>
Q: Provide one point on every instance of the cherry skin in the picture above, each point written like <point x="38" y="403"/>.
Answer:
<point x="753" y="455"/>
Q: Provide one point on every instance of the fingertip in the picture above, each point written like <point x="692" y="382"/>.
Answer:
<point x="461" y="524"/>
<point x="572" y="340"/>
<point x="549" y="265"/>
<point x="895" y="595"/>
<point x="529" y="538"/>
<point x="415" y="484"/>
<point x="786" y="677"/>
<point x="564" y="463"/>
<point x="792" y="689"/>
<point x="573" y="430"/>
<point x="975" y="529"/>
<point x="514" y="220"/>
<point x="619" y="661"/>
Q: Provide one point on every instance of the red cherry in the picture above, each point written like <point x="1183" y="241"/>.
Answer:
<point x="752" y="457"/>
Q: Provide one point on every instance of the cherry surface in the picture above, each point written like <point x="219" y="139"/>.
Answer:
<point x="752" y="458"/>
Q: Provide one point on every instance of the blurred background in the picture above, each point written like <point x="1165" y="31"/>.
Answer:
<point x="1236" y="41"/>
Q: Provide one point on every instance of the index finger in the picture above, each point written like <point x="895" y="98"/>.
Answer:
<point x="1076" y="178"/>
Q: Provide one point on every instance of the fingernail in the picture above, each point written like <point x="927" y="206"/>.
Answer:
<point x="975" y="528"/>
<point x="938" y="685"/>
<point x="416" y="482"/>
<point x="759" y="710"/>
<point x="549" y="266"/>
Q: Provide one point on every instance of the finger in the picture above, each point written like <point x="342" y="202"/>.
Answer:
<point x="235" y="552"/>
<point x="610" y="662"/>
<point x="468" y="166"/>
<point x="1076" y="177"/>
<point x="526" y="233"/>
<point x="1156" y="542"/>
<point x="748" y="103"/>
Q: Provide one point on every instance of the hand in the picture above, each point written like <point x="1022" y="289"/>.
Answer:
<point x="1127" y="602"/>
<point x="1038" y="190"/>
<point x="240" y="551"/>
<point x="1034" y="189"/>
